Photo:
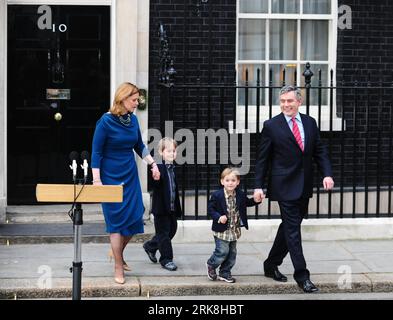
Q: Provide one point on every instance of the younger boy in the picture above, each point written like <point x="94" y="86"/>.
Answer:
<point x="165" y="207"/>
<point x="228" y="208"/>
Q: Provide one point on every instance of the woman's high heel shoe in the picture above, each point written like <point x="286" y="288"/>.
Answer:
<point x="111" y="257"/>
<point x="120" y="280"/>
<point x="126" y="267"/>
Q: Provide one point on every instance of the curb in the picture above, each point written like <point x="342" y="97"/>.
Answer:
<point x="12" y="240"/>
<point x="95" y="287"/>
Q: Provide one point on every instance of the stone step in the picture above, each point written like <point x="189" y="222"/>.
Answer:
<point x="31" y="233"/>
<point x="145" y="286"/>
<point x="51" y="213"/>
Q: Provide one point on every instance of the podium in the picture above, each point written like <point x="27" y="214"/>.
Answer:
<point x="76" y="194"/>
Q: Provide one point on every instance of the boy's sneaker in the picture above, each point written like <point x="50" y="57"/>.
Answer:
<point x="228" y="279"/>
<point x="171" y="266"/>
<point x="151" y="255"/>
<point x="211" y="272"/>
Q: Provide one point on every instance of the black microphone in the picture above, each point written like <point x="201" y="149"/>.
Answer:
<point x="85" y="166"/>
<point x="73" y="157"/>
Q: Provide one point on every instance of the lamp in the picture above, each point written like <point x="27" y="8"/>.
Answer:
<point x="167" y="70"/>
<point x="142" y="99"/>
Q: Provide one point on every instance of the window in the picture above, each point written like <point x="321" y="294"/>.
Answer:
<point x="280" y="35"/>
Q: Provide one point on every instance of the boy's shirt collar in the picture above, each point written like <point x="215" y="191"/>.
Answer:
<point x="227" y="194"/>
<point x="167" y="163"/>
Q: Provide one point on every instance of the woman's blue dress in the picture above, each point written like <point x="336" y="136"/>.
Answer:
<point x="112" y="153"/>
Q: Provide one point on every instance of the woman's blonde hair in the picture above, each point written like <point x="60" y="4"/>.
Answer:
<point x="230" y="170"/>
<point x="164" y="142"/>
<point x="124" y="91"/>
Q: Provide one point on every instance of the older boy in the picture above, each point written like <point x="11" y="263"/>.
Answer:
<point x="166" y="207"/>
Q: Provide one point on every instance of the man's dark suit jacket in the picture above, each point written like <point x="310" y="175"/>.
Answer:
<point x="217" y="207"/>
<point x="291" y="170"/>
<point x="161" y="194"/>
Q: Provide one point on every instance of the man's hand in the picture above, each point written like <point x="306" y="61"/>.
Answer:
<point x="328" y="183"/>
<point x="223" y="219"/>
<point x="258" y="195"/>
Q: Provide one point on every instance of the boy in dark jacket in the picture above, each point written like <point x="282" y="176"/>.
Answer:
<point x="165" y="208"/>
<point x="228" y="208"/>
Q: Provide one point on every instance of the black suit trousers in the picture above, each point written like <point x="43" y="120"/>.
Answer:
<point x="289" y="239"/>
<point x="166" y="227"/>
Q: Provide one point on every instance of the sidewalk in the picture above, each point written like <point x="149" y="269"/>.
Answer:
<point x="336" y="266"/>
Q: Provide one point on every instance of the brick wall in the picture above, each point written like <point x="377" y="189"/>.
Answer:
<point x="364" y="54"/>
<point x="203" y="42"/>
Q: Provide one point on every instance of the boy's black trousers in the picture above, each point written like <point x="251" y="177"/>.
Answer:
<point x="166" y="226"/>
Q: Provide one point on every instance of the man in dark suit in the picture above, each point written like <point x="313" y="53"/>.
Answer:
<point x="289" y="143"/>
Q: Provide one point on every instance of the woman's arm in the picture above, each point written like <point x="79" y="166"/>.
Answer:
<point x="99" y="139"/>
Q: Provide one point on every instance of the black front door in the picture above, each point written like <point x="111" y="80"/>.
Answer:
<point x="58" y="86"/>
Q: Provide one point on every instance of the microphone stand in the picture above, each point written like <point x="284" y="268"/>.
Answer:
<point x="77" y="219"/>
<point x="76" y="269"/>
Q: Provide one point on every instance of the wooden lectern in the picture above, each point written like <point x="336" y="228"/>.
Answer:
<point x="84" y="193"/>
<point x="65" y="193"/>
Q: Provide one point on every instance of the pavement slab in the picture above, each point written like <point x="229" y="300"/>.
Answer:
<point x="43" y="270"/>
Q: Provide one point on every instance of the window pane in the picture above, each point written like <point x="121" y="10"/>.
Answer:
<point x="314" y="84"/>
<point x="316" y="6"/>
<point x="278" y="78"/>
<point x="283" y="35"/>
<point x="314" y="36"/>
<point x="285" y="6"/>
<point x="254" y="6"/>
<point x="251" y="39"/>
<point x="252" y="81"/>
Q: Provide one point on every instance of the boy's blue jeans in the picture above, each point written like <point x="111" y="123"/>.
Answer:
<point x="224" y="255"/>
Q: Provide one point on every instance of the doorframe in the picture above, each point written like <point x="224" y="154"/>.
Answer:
<point x="4" y="61"/>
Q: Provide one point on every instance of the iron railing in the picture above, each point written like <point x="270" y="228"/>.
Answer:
<point x="356" y="125"/>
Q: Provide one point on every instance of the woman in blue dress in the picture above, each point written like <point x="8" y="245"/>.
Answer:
<point x="116" y="137"/>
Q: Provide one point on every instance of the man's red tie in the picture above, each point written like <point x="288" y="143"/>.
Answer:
<point x="296" y="133"/>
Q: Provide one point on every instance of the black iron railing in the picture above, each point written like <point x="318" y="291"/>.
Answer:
<point x="356" y="125"/>
<point x="356" y="121"/>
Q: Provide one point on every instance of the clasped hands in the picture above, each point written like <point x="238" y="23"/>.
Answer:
<point x="155" y="172"/>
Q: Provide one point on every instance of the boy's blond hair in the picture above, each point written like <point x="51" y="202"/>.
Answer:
<point x="228" y="171"/>
<point x="164" y="142"/>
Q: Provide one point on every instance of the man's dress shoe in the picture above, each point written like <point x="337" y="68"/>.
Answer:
<point x="308" y="286"/>
<point x="276" y="275"/>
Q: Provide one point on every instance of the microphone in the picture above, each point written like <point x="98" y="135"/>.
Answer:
<point x="85" y="166"/>
<point x="73" y="157"/>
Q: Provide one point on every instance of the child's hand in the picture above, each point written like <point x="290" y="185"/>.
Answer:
<point x="155" y="172"/>
<point x="223" y="219"/>
<point x="258" y="200"/>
